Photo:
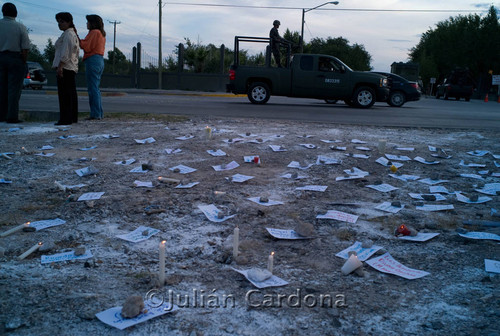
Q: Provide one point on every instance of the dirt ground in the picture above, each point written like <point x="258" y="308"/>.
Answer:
<point x="62" y="298"/>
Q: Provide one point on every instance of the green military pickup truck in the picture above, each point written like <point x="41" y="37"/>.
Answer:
<point x="305" y="76"/>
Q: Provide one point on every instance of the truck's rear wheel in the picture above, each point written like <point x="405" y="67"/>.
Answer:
<point x="364" y="97"/>
<point x="258" y="93"/>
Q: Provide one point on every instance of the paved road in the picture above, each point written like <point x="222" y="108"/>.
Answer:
<point x="428" y="112"/>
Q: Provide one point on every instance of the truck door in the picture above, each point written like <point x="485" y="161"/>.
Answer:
<point x="323" y="77"/>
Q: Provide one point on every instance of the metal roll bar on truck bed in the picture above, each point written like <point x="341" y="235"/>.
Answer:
<point x="267" y="40"/>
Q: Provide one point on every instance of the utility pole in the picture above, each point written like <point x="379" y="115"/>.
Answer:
<point x="114" y="23"/>
<point x="159" y="47"/>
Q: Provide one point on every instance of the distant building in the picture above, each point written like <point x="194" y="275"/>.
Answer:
<point x="407" y="70"/>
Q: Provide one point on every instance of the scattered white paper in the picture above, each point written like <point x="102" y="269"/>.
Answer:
<point x="310" y="146"/>
<point x="125" y="162"/>
<point x="387" y="264"/>
<point x="46" y="223"/>
<point x="145" y="141"/>
<point x="439" y="197"/>
<point x="45" y="154"/>
<point x="231" y="165"/>
<point x="240" y="178"/>
<point x="330" y="141"/>
<point x="322" y="159"/>
<point x="432" y="182"/>
<point x="65" y="256"/>
<point x="273" y="281"/>
<point x="339" y="215"/>
<point x="473" y="176"/>
<point x="464" y="199"/>
<point x="432" y="148"/>
<point x="91" y="196"/>
<point x="313" y="188"/>
<point x="356" y="141"/>
<point x="354" y="171"/>
<point x="306" y="136"/>
<point x="218" y="152"/>
<point x="145" y="184"/>
<point x="339" y="148"/>
<point x="46" y="147"/>
<point x="114" y="318"/>
<point x="439" y="189"/>
<point x="173" y="150"/>
<point x="187" y="185"/>
<point x="258" y="141"/>
<point x="277" y="148"/>
<point x="111" y="136"/>
<point x="244" y="135"/>
<point x="296" y="164"/>
<point x="424" y="161"/>
<point x="478" y="152"/>
<point x="185" y="137"/>
<point x="349" y="177"/>
<point x="405" y="177"/>
<point x="420" y="237"/>
<point x="183" y="169"/>
<point x="397" y="157"/>
<point x="435" y="207"/>
<point x="471" y="165"/>
<point x="384" y="187"/>
<point x="88" y="148"/>
<point x="285" y="234"/>
<point x="362" y="253"/>
<point x="86" y="171"/>
<point x="407" y="149"/>
<point x="495" y="156"/>
<point x="2" y="180"/>
<point x="496" y="164"/>
<point x="211" y="212"/>
<point x="480" y="235"/>
<point x="384" y="162"/>
<point x="490" y="189"/>
<point x="64" y="137"/>
<point x="75" y="186"/>
<point x="140" y="234"/>
<point x="270" y="202"/>
<point x="483" y="172"/>
<point x="387" y="207"/>
<point x="492" y="266"/>
<point x="363" y="148"/>
<point x="138" y="170"/>
<point x="358" y="156"/>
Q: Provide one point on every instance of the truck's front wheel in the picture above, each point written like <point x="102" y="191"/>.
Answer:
<point x="364" y="97"/>
<point x="258" y="93"/>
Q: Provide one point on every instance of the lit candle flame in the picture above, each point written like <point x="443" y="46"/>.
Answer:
<point x="272" y="253"/>
<point x="164" y="242"/>
<point x="40" y="244"/>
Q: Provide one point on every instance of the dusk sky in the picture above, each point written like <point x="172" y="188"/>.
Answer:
<point x="387" y="29"/>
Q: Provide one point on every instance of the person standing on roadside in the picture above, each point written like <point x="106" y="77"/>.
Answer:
<point x="14" y="46"/>
<point x="66" y="63"/>
<point x="93" y="56"/>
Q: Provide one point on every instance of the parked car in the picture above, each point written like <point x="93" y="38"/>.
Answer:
<point x="402" y="90"/>
<point x="459" y="84"/>
<point x="35" y="77"/>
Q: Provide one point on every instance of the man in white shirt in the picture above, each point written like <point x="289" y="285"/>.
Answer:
<point x="14" y="46"/>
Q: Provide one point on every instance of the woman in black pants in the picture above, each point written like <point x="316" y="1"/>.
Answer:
<point x="66" y="63"/>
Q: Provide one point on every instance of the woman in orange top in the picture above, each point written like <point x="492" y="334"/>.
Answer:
<point x="93" y="57"/>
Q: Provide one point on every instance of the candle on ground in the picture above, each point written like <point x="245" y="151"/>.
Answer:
<point x="31" y="250"/>
<point x="161" y="272"/>
<point x="236" y="241"/>
<point x="14" y="229"/>
<point x="270" y="262"/>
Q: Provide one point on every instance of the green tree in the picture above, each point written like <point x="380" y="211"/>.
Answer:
<point x="122" y="65"/>
<point x="34" y="55"/>
<point x="354" y="56"/>
<point x="48" y="53"/>
<point x="464" y="41"/>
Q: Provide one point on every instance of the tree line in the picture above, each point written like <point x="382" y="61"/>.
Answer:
<point x="470" y="42"/>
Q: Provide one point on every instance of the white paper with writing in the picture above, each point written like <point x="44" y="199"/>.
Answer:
<point x="362" y="253"/>
<point x="211" y="212"/>
<point x="339" y="215"/>
<point x="285" y="234"/>
<point x="91" y="196"/>
<point x="273" y="281"/>
<point x="420" y="237"/>
<point x="387" y="264"/>
<point x="65" y="256"/>
<point x="140" y="234"/>
<point x="46" y="223"/>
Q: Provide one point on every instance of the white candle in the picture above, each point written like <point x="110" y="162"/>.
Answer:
<point x="270" y="262"/>
<point x="24" y="149"/>
<point x="161" y="272"/>
<point x="14" y="229"/>
<point x="31" y="250"/>
<point x="236" y="241"/>
<point x="351" y="264"/>
<point x="208" y="132"/>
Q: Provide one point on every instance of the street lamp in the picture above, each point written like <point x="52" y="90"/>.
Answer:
<point x="304" y="11"/>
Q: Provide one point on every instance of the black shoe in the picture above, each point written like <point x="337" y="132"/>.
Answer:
<point x="14" y="121"/>
<point x="59" y="123"/>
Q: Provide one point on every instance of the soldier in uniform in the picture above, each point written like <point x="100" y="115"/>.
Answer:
<point x="276" y="39"/>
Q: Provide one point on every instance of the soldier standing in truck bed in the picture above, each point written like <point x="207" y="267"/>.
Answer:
<point x="276" y="39"/>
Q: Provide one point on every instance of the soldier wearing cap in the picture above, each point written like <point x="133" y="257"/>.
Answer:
<point x="276" y="39"/>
